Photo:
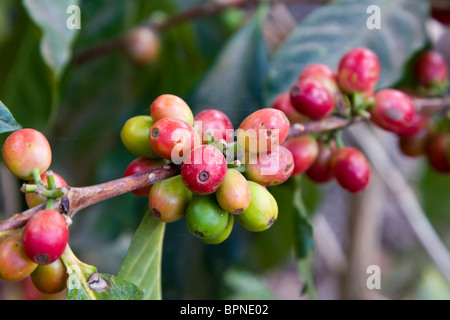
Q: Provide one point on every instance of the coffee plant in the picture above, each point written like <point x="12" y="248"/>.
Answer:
<point x="190" y="149"/>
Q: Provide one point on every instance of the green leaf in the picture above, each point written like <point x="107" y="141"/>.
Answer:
<point x="105" y="287"/>
<point x="51" y="17"/>
<point x="7" y="121"/>
<point x="234" y="84"/>
<point x="142" y="263"/>
<point x="401" y="34"/>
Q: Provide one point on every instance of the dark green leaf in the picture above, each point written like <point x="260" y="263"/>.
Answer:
<point x="234" y="84"/>
<point x="402" y="33"/>
<point x="51" y="16"/>
<point x="142" y="263"/>
<point x="7" y="121"/>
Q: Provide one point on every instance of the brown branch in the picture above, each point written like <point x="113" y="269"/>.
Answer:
<point x="76" y="199"/>
<point x="197" y="12"/>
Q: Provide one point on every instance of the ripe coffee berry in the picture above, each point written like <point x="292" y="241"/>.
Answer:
<point x="233" y="195"/>
<point x="171" y="106"/>
<point x="418" y="123"/>
<point x="393" y="110"/>
<point x="33" y="199"/>
<point x="15" y="265"/>
<point x="358" y="71"/>
<point x="45" y="236"/>
<point x="311" y="98"/>
<point x="283" y="103"/>
<point x="134" y="136"/>
<point x="415" y="145"/>
<point x="215" y="120"/>
<point x="142" y="45"/>
<point x="172" y="139"/>
<point x="437" y="151"/>
<point x="25" y="150"/>
<point x="321" y="170"/>
<point x="351" y="169"/>
<point x="304" y="150"/>
<point x="263" y="130"/>
<point x="321" y="73"/>
<point x="204" y="169"/>
<point x="50" y="278"/>
<point x="431" y="71"/>
<point x="271" y="169"/>
<point x="140" y="165"/>
<point x="168" y="199"/>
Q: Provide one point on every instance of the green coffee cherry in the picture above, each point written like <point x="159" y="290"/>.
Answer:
<point x="134" y="136"/>
<point x="169" y="198"/>
<point x="225" y="233"/>
<point x="234" y="195"/>
<point x="205" y="218"/>
<point x="262" y="210"/>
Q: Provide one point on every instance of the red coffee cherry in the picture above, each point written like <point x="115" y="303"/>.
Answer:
<point x="283" y="103"/>
<point x="140" y="165"/>
<point x="437" y="150"/>
<point x="393" y="110"/>
<point x="173" y="138"/>
<point x="50" y="278"/>
<point x="25" y="150"/>
<point x="321" y="171"/>
<point x="322" y="73"/>
<point x="45" y="236"/>
<point x="204" y="169"/>
<point x="418" y="123"/>
<point x="142" y="45"/>
<point x="270" y="169"/>
<point x="351" y="169"/>
<point x="358" y="71"/>
<point x="33" y="199"/>
<point x="431" y="71"/>
<point x="215" y="120"/>
<point x="15" y="265"/>
<point x="171" y="106"/>
<point x="304" y="150"/>
<point x="415" y="145"/>
<point x="263" y="130"/>
<point x="311" y="98"/>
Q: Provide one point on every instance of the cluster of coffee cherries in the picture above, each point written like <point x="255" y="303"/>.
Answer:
<point x="35" y="249"/>
<point x="221" y="179"/>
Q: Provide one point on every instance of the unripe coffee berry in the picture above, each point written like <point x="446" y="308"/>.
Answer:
<point x="45" y="236"/>
<point x="311" y="98"/>
<point x="393" y="110"/>
<point x="358" y="71"/>
<point x="215" y="120"/>
<point x="173" y="139"/>
<point x="204" y="169"/>
<point x="50" y="278"/>
<point x="224" y="234"/>
<point x="351" y="169"/>
<point x="168" y="199"/>
<point x="140" y="165"/>
<point x="263" y="130"/>
<point x="15" y="265"/>
<point x="205" y="218"/>
<point x="135" y="134"/>
<point x="171" y="106"/>
<point x="234" y="193"/>
<point x="25" y="150"/>
<point x="262" y="211"/>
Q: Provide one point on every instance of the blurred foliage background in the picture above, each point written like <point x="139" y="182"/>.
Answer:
<point x="236" y="60"/>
